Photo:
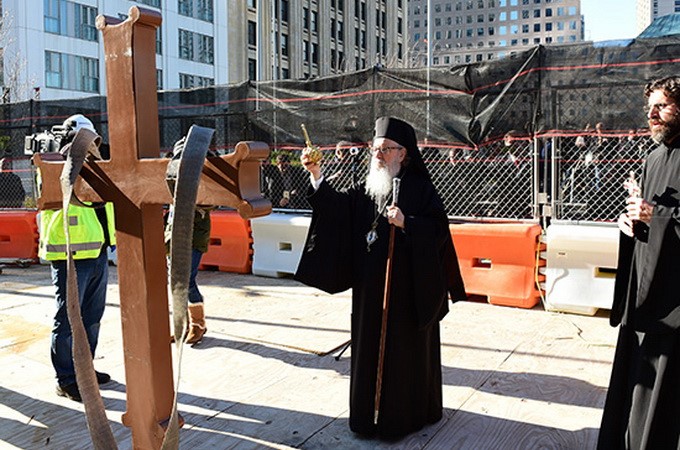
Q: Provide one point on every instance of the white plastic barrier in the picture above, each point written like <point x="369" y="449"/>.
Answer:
<point x="580" y="267"/>
<point x="278" y="240"/>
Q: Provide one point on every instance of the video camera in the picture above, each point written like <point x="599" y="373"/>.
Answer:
<point x="46" y="141"/>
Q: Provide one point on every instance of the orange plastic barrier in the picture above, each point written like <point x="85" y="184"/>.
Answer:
<point x="231" y="243"/>
<point x="499" y="261"/>
<point x="18" y="234"/>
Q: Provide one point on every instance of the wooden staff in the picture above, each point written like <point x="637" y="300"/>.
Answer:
<point x="385" y="308"/>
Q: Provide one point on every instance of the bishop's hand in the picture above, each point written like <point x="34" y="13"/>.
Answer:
<point x="395" y="216"/>
<point x="311" y="162"/>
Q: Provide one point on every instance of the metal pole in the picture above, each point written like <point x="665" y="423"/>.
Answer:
<point x="536" y="179"/>
<point x="554" y="180"/>
<point x="429" y="63"/>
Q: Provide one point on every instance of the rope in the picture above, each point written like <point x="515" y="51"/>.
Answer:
<point x="84" y="142"/>
<point x="187" y="178"/>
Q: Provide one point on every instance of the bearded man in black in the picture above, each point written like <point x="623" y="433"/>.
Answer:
<point x="347" y="247"/>
<point x="642" y="409"/>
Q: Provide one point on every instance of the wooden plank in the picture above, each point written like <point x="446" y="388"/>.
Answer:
<point x="513" y="378"/>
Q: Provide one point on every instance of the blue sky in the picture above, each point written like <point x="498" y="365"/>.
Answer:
<point x="609" y="19"/>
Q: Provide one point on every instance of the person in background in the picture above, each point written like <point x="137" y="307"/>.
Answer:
<point x="284" y="183"/>
<point x="12" y="192"/>
<point x="643" y="401"/>
<point x="91" y="231"/>
<point x="199" y="245"/>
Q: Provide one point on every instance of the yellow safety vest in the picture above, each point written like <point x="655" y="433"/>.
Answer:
<point x="85" y="230"/>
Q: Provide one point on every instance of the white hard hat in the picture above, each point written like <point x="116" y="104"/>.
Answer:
<point x="78" y="121"/>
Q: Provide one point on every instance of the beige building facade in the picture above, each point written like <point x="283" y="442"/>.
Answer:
<point x="648" y="10"/>
<point x="301" y="39"/>
<point x="465" y="31"/>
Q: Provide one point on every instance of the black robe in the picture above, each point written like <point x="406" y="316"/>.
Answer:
<point x="642" y="408"/>
<point x="424" y="268"/>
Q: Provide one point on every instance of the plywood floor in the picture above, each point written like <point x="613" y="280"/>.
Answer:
<point x="513" y="378"/>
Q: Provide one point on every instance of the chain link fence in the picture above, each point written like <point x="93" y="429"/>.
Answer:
<point x="17" y="184"/>
<point x="514" y="139"/>
<point x="589" y="172"/>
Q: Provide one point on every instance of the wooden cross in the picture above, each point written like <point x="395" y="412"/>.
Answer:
<point x="134" y="180"/>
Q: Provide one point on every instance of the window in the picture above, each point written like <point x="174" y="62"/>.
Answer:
<point x="537" y="28"/>
<point x="72" y="72"/>
<point x="198" y="9"/>
<point x="159" y="79"/>
<point x="513" y="15"/>
<point x="185" y="7"/>
<point x="572" y="10"/>
<point x="196" y="47"/>
<point x="252" y="33"/>
<point x="548" y="26"/>
<point x="525" y="28"/>
<point x="537" y="13"/>
<point x="285" y="10"/>
<point x="503" y="16"/>
<point x="525" y="14"/>
<point x="305" y="18"/>
<point x="315" y="21"/>
<point x="284" y="44"/>
<point x="315" y="53"/>
<point x="548" y="12"/>
<point x="186" y="45"/>
<point x="154" y="3"/>
<point x="71" y="19"/>
<point x="187" y="81"/>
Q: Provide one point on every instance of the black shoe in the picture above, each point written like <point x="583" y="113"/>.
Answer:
<point x="102" y="378"/>
<point x="69" y="391"/>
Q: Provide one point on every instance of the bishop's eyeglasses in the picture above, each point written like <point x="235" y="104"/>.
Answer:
<point x="384" y="150"/>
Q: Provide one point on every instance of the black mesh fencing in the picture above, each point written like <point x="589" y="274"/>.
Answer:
<point x="502" y="139"/>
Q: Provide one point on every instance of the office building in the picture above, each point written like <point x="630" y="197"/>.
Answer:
<point x="302" y="39"/>
<point x="51" y="48"/>
<point x="465" y="31"/>
<point x="648" y="10"/>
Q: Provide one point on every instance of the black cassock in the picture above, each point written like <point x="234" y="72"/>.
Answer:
<point x="642" y="409"/>
<point x="424" y="270"/>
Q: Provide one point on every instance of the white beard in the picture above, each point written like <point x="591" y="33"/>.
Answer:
<point x="379" y="180"/>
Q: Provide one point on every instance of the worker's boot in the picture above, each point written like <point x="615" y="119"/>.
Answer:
<point x="196" y="323"/>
